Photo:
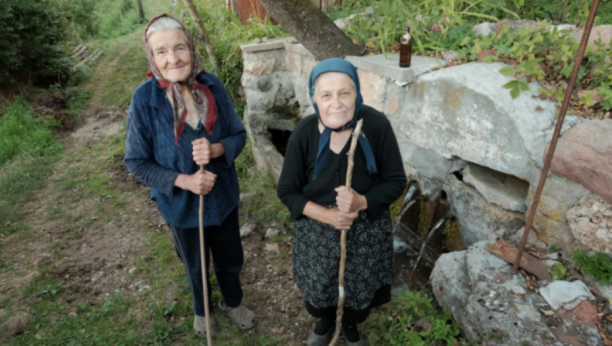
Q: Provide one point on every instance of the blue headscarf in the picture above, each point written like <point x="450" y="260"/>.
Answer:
<point x="338" y="65"/>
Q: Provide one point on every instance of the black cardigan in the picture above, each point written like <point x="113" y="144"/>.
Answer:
<point x="296" y="187"/>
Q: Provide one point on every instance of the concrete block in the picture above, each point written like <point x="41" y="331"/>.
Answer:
<point x="389" y="66"/>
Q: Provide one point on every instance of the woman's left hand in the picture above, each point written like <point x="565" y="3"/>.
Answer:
<point x="350" y="201"/>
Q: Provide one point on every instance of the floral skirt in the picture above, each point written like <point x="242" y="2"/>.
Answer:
<point x="369" y="261"/>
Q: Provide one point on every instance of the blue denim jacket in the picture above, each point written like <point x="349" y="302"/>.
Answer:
<point x="152" y="156"/>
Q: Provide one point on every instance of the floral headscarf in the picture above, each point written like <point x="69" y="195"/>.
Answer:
<point x="203" y="97"/>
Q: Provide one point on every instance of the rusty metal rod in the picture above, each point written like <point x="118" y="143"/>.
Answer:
<point x="555" y="137"/>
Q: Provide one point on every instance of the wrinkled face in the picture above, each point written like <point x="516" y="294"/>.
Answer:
<point x="335" y="97"/>
<point x="171" y="54"/>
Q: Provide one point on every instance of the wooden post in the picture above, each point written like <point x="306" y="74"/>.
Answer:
<point x="349" y="179"/>
<point x="203" y="35"/>
<point x="141" y="10"/>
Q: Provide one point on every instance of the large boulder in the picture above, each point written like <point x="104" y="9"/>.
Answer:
<point x="584" y="155"/>
<point x="462" y="111"/>
<point x="485" y="298"/>
<point x="602" y="33"/>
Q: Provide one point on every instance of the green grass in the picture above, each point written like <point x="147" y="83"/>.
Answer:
<point x="123" y="65"/>
<point x="28" y="151"/>
<point x="121" y="69"/>
<point x="264" y="205"/>
<point x="57" y="322"/>
<point x="23" y="133"/>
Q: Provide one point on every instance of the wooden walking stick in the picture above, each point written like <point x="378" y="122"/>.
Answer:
<point x="204" y="267"/>
<point x="349" y="178"/>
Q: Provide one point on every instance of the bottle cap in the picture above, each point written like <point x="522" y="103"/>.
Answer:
<point x="407" y="28"/>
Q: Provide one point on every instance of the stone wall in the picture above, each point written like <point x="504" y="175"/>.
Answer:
<point x="459" y="132"/>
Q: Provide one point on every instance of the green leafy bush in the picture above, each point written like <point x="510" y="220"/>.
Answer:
<point x="80" y="15"/>
<point x="599" y="265"/>
<point x="31" y="44"/>
<point x="413" y="320"/>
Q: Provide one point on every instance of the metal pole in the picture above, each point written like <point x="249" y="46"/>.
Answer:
<point x="555" y="137"/>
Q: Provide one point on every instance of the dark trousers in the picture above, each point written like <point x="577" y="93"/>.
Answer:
<point x="224" y="242"/>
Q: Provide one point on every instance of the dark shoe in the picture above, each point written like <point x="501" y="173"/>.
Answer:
<point x="361" y="342"/>
<point x="315" y="339"/>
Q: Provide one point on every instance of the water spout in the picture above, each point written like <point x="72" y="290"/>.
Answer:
<point x="399" y="218"/>
<point x="410" y="193"/>
<point x="429" y="236"/>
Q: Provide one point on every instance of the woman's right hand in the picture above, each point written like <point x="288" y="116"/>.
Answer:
<point x="341" y="221"/>
<point x="199" y="183"/>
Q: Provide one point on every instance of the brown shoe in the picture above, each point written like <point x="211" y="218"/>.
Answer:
<point x="241" y="316"/>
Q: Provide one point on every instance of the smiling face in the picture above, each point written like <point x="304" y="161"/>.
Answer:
<point x="335" y="97"/>
<point x="171" y="54"/>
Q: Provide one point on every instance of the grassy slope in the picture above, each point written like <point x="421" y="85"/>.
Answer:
<point x="56" y="320"/>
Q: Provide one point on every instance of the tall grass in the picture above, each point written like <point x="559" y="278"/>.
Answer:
<point x="28" y="150"/>
<point x="23" y="133"/>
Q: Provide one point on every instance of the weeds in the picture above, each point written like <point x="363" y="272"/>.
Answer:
<point x="23" y="133"/>
<point x="413" y="319"/>
<point x="28" y="151"/>
<point x="598" y="265"/>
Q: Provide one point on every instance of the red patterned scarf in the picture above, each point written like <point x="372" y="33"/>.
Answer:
<point x="202" y="96"/>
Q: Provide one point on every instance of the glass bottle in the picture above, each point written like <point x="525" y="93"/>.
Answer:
<point x="406" y="49"/>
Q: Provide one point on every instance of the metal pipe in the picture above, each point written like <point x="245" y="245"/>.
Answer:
<point x="555" y="137"/>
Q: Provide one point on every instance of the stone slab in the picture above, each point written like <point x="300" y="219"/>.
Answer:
<point x="260" y="47"/>
<point x="297" y="48"/>
<point x="389" y="66"/>
<point x="504" y="190"/>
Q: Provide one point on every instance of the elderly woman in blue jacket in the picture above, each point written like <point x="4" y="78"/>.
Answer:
<point x="179" y="119"/>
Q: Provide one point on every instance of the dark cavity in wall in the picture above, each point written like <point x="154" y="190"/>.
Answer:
<point x="280" y="139"/>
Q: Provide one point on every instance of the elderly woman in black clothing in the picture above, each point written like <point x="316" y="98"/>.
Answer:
<point x="311" y="186"/>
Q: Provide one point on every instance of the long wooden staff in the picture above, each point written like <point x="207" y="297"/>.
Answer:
<point x="349" y="178"/>
<point x="204" y="267"/>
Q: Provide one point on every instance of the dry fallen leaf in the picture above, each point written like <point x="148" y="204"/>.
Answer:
<point x="548" y="312"/>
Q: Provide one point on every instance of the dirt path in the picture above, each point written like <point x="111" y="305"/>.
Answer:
<point x="93" y="233"/>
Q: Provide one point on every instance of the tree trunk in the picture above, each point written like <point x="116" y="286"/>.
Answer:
<point x="141" y="10"/>
<point x="312" y="28"/>
<point x="203" y="35"/>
